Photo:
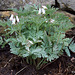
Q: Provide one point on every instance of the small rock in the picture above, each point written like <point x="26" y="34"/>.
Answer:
<point x="5" y="4"/>
<point x="72" y="59"/>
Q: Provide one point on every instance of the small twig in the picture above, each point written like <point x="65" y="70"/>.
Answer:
<point x="7" y="62"/>
<point x="21" y="70"/>
<point x="60" y="69"/>
<point x="68" y="68"/>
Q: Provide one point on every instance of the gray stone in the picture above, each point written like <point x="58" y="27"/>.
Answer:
<point x="5" y="4"/>
<point x="67" y="4"/>
<point x="44" y="2"/>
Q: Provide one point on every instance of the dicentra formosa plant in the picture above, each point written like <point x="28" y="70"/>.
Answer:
<point x="37" y="36"/>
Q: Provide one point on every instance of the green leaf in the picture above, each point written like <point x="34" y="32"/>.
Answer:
<point x="13" y="49"/>
<point x="1" y="40"/>
<point x="67" y="51"/>
<point x="72" y="47"/>
<point x="22" y="39"/>
<point x="39" y="34"/>
<point x="37" y="50"/>
<point x="26" y="55"/>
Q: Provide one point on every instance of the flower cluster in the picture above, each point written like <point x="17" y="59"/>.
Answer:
<point x="42" y="10"/>
<point x="13" y="19"/>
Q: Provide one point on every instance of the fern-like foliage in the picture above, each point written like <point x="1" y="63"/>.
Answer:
<point x="35" y="36"/>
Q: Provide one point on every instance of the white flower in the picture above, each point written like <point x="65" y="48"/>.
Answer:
<point x="39" y="11"/>
<point x="43" y="11"/>
<point x="13" y="21"/>
<point x="11" y="17"/>
<point x="17" y="19"/>
<point x="30" y="42"/>
<point x="44" y="7"/>
<point x="52" y="20"/>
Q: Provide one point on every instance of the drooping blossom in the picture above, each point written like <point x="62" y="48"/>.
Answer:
<point x="14" y="21"/>
<point x="11" y="17"/>
<point x="17" y="19"/>
<point x="44" y="7"/>
<point x="41" y="11"/>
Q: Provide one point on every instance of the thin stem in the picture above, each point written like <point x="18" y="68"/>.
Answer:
<point x="38" y="66"/>
<point x="21" y="70"/>
<point x="27" y="60"/>
<point x="34" y="62"/>
<point x="30" y="60"/>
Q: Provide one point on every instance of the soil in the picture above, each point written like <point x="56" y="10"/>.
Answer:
<point x="13" y="65"/>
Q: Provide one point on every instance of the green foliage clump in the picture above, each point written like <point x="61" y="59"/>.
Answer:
<point x="35" y="36"/>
